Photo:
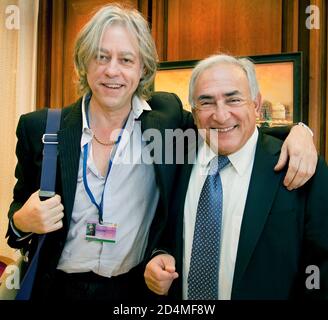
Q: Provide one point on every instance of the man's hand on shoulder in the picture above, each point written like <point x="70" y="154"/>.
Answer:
<point x="303" y="157"/>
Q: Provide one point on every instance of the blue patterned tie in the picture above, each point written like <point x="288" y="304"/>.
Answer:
<point x="203" y="275"/>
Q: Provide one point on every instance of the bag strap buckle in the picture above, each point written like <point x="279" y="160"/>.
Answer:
<point x="50" y="138"/>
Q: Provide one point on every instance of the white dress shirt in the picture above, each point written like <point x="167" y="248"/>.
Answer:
<point x="130" y="200"/>
<point x="235" y="179"/>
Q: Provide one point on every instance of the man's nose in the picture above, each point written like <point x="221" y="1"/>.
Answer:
<point x="112" y="68"/>
<point x="221" y="113"/>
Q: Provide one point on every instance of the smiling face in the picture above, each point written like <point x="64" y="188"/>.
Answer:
<point x="114" y="74"/>
<point x="224" y="108"/>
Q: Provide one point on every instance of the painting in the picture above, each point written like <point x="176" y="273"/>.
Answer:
<point x="174" y="77"/>
<point x="279" y="77"/>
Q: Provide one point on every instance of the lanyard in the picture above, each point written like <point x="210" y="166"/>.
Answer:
<point x="85" y="181"/>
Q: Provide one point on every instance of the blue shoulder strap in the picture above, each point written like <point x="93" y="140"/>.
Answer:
<point x="49" y="162"/>
<point x="47" y="190"/>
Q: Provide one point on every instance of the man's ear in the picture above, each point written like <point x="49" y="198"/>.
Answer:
<point x="258" y="104"/>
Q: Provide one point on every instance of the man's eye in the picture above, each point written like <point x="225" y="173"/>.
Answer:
<point x="127" y="60"/>
<point x="205" y="103"/>
<point x="234" y="101"/>
<point x="102" y="58"/>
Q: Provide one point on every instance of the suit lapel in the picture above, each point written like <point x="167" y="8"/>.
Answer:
<point x="69" y="138"/>
<point x="150" y="120"/>
<point x="190" y="157"/>
<point x="178" y="205"/>
<point x="262" y="188"/>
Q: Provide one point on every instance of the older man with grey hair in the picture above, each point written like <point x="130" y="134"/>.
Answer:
<point x="235" y="231"/>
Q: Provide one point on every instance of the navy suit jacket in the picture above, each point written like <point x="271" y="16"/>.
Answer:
<point x="282" y="232"/>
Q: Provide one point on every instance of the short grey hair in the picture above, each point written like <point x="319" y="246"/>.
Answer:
<point x="244" y="63"/>
<point x="89" y="38"/>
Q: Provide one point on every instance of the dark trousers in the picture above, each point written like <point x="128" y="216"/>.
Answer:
<point x="90" y="286"/>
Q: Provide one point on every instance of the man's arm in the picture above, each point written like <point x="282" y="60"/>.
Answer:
<point x="27" y="213"/>
<point x="280" y="132"/>
<point x="299" y="148"/>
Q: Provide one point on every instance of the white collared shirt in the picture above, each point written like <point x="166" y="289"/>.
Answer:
<point x="130" y="200"/>
<point x="235" y="179"/>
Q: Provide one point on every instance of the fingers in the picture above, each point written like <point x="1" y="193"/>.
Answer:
<point x="292" y="171"/>
<point x="302" y="155"/>
<point x="282" y="161"/>
<point x="51" y="202"/>
<point x="52" y="212"/>
<point x="49" y="213"/>
<point x="40" y="216"/>
<point x="170" y="268"/>
<point x="55" y="218"/>
<point x="55" y="226"/>
<point x="304" y="172"/>
<point x="155" y="285"/>
<point x="159" y="288"/>
<point x="160" y="273"/>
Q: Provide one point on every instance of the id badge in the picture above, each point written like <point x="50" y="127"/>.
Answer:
<point x="101" y="232"/>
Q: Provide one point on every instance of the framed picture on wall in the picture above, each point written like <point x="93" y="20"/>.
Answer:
<point x="279" y="77"/>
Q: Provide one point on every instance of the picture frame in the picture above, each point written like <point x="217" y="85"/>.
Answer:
<point x="279" y="77"/>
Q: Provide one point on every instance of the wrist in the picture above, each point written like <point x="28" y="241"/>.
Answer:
<point x="306" y="127"/>
<point x="21" y="235"/>
<point x="16" y="223"/>
<point x="156" y="252"/>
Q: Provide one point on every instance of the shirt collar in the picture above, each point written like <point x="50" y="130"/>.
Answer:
<point x="240" y="160"/>
<point x="138" y="106"/>
<point x="85" y="102"/>
<point x="86" y="131"/>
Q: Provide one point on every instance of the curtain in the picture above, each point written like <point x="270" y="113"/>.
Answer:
<point x="18" y="47"/>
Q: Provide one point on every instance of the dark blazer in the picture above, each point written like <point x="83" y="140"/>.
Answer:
<point x="166" y="113"/>
<point x="282" y="231"/>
